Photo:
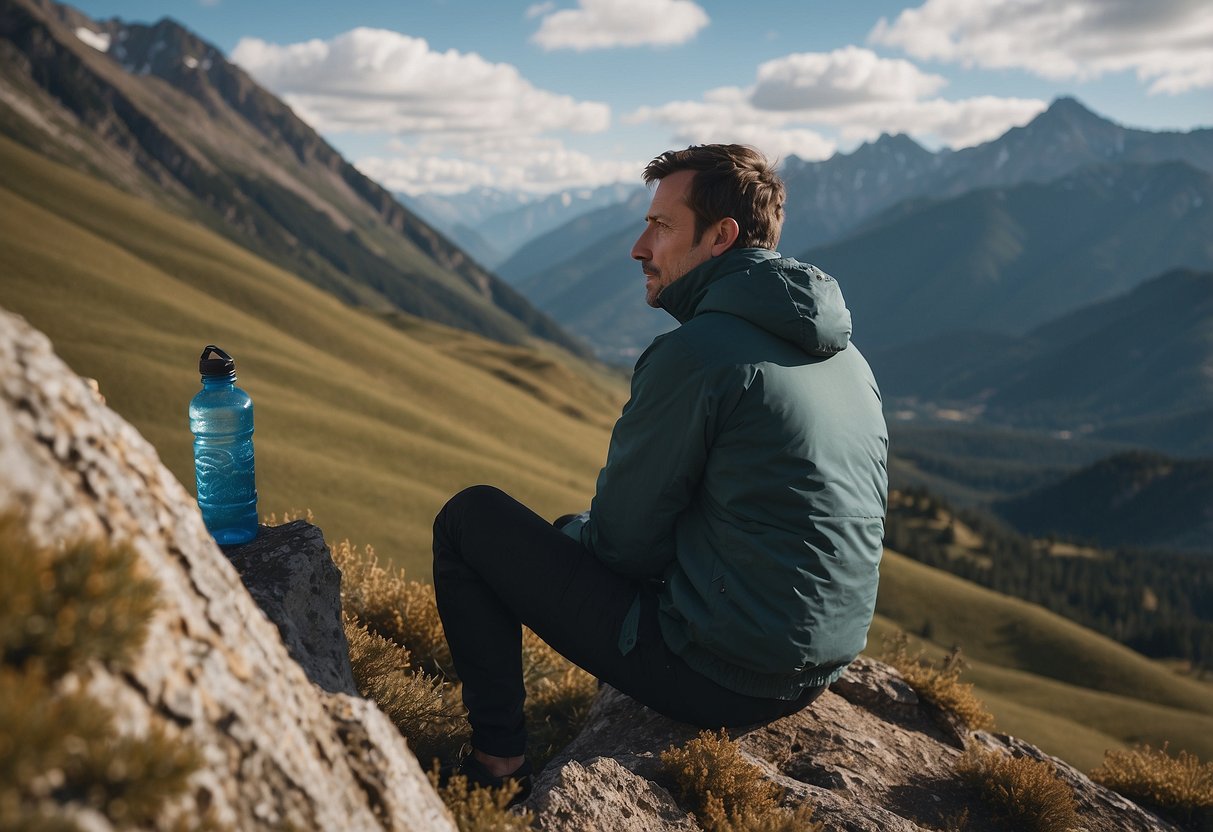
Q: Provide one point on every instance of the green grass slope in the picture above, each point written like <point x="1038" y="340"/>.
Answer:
<point x="369" y="426"/>
<point x="1063" y="687"/>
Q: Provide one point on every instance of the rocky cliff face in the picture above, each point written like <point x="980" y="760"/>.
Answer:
<point x="279" y="751"/>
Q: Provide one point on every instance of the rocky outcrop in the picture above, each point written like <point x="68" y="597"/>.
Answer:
<point x="279" y="752"/>
<point x="867" y="754"/>
<point x="291" y="575"/>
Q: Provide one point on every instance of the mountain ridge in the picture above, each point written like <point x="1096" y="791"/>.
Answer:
<point x="1143" y="355"/>
<point x="194" y="132"/>
<point x="1135" y="499"/>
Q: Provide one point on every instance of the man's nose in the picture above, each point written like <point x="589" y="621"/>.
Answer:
<point x="641" y="250"/>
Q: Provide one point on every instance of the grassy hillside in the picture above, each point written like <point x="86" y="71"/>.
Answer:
<point x="373" y="424"/>
<point x="1045" y="678"/>
<point x="371" y="427"/>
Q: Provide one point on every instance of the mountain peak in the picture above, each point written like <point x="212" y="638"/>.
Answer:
<point x="898" y="145"/>
<point x="1071" y="112"/>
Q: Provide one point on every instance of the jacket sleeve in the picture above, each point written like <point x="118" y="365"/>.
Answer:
<point x="654" y="464"/>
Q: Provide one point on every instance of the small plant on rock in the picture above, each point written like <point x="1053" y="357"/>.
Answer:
<point x="939" y="684"/>
<point x="61" y="755"/>
<point x="481" y="810"/>
<point x="727" y="792"/>
<point x="421" y="706"/>
<point x="1025" y="793"/>
<point x="1179" y="786"/>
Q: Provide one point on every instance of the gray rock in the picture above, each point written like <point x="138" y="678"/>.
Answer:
<point x="867" y="755"/>
<point x="279" y="751"/>
<point x="291" y="575"/>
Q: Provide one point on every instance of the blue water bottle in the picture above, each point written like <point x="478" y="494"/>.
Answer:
<point x="221" y="419"/>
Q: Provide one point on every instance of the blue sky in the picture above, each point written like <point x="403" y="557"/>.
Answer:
<point x="442" y="95"/>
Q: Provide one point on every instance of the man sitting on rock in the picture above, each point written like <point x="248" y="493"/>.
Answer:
<point x="726" y="571"/>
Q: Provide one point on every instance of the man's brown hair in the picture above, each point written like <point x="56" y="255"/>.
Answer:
<point x="731" y="180"/>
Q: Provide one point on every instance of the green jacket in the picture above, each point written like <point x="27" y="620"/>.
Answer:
<point x="747" y="473"/>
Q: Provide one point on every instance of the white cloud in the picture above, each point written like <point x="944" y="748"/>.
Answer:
<point x="850" y="91"/>
<point x="815" y="80"/>
<point x="1168" y="43"/>
<point x="726" y="116"/>
<point x="374" y="80"/>
<point x="961" y="123"/>
<point x="453" y="164"/>
<point x="602" y="24"/>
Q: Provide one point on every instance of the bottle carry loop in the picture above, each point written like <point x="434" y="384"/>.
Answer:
<point x="220" y="365"/>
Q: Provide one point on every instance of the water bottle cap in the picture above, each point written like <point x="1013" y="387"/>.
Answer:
<point x="215" y="363"/>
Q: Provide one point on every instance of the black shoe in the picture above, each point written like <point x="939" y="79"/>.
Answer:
<point x="480" y="777"/>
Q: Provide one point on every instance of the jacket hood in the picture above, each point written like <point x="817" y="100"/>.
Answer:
<point x="796" y="301"/>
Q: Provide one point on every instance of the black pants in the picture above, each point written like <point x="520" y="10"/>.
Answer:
<point x="498" y="565"/>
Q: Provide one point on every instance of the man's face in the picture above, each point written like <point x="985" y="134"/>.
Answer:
<point x="667" y="249"/>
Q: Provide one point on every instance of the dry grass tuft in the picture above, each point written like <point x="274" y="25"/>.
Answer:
<point x="387" y="603"/>
<point x="1181" y="786"/>
<point x="481" y="810"/>
<point x="60" y="751"/>
<point x="940" y="684"/>
<point x="392" y="611"/>
<point x="558" y="698"/>
<point x="62" y="608"/>
<point x="423" y="708"/>
<point x="728" y="793"/>
<point x="1024" y="793"/>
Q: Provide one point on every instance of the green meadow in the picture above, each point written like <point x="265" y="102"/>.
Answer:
<point x="370" y="423"/>
<point x="373" y="422"/>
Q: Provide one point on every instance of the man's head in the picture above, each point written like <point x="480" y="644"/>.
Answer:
<point x="709" y="199"/>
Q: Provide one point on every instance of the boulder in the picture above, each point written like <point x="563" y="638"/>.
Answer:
<point x="290" y="573"/>
<point x="868" y="755"/>
<point x="280" y="752"/>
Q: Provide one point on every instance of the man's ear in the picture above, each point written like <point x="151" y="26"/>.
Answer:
<point x="723" y="234"/>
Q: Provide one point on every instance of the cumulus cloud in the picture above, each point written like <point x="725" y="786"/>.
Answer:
<point x="603" y="24"/>
<point x="528" y="163"/>
<point x="815" y="80"/>
<point x="725" y="115"/>
<point x="961" y="123"/>
<point x="1167" y="43"/>
<point x="377" y="80"/>
<point x="851" y="91"/>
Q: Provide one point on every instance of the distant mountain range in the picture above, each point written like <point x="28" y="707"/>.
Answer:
<point x="1006" y="259"/>
<point x="492" y="225"/>
<point x="1138" y="367"/>
<point x="830" y="198"/>
<point x="1133" y="499"/>
<point x="160" y="113"/>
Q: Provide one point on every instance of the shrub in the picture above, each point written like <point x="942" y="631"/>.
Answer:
<point x="481" y="810"/>
<point x="558" y="698"/>
<point x="387" y="605"/>
<point x="60" y="751"/>
<point x="1025" y="793"/>
<point x="1179" y="786"/>
<point x="62" y="608"/>
<point x="727" y="792"/>
<point x="422" y="707"/>
<point x="940" y="684"/>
